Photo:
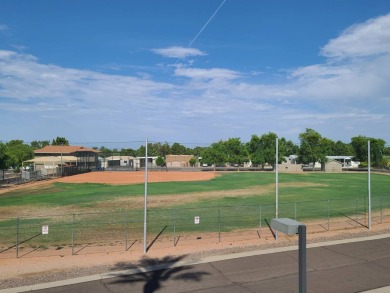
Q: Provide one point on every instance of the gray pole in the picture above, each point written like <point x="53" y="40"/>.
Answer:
<point x="17" y="237"/>
<point x="369" y="186"/>
<point x="302" y="258"/>
<point x="146" y="194"/>
<point x="277" y="184"/>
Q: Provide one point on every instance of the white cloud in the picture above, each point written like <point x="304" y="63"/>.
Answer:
<point x="340" y="98"/>
<point x="3" y="27"/>
<point x="361" y="40"/>
<point x="178" y="52"/>
<point x="207" y="74"/>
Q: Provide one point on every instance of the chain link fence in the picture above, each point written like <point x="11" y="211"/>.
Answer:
<point x="123" y="229"/>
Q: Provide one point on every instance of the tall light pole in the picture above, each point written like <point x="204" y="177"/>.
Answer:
<point x="277" y="183"/>
<point x="146" y="194"/>
<point x="369" y="184"/>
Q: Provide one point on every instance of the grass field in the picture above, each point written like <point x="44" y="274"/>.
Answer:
<point x="256" y="188"/>
<point x="228" y="202"/>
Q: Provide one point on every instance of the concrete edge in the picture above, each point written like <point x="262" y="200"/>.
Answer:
<point x="193" y="262"/>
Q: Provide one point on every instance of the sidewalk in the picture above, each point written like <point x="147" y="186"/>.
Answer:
<point x="333" y="266"/>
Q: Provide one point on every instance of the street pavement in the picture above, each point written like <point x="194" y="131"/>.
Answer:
<point x="340" y="266"/>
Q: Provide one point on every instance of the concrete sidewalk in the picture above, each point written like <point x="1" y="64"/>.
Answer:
<point x="352" y="265"/>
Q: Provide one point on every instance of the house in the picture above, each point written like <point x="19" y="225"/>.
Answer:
<point x="289" y="164"/>
<point x="178" y="161"/>
<point x="64" y="157"/>
<point x="333" y="166"/>
<point x="346" y="161"/>
<point x="117" y="162"/>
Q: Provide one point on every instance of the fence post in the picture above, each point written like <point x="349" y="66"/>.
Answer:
<point x="295" y="211"/>
<point x="73" y="235"/>
<point x="219" y="225"/>
<point x="356" y="211"/>
<point x="17" y="237"/>
<point x="174" y="228"/>
<point x="127" y="228"/>
<point x="328" y="215"/>
<point x="381" y="208"/>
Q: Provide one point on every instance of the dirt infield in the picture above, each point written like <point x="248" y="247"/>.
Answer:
<point x="136" y="177"/>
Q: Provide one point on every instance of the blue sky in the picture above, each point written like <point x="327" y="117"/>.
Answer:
<point x="193" y="71"/>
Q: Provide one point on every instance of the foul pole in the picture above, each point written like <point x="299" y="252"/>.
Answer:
<point x="277" y="183"/>
<point x="369" y="184"/>
<point x="146" y="194"/>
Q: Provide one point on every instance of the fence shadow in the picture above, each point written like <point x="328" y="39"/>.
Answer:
<point x="269" y="226"/>
<point x="155" y="238"/>
<point x="159" y="270"/>
<point x="21" y="242"/>
<point x="353" y="220"/>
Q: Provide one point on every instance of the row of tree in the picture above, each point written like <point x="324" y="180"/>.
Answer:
<point x="260" y="150"/>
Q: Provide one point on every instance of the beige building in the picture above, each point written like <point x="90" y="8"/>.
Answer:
<point x="178" y="161"/>
<point x="53" y="156"/>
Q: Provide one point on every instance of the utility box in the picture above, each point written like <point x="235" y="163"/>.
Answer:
<point x="286" y="225"/>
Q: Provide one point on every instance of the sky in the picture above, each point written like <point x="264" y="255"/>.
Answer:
<point x="193" y="71"/>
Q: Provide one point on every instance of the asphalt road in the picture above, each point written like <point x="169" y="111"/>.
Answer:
<point x="351" y="267"/>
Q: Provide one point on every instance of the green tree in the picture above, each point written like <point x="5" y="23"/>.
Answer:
<point x="160" y="162"/>
<point x="262" y="150"/>
<point x="313" y="147"/>
<point x="60" y="141"/>
<point x="236" y="152"/>
<point x="287" y="147"/>
<point x="377" y="148"/>
<point x="193" y="162"/>
<point x="342" y="149"/>
<point x="18" y="152"/>
<point x="38" y="144"/>
<point x="105" y="152"/>
<point x="178" y="149"/>
<point x="215" y="154"/>
<point x="128" y="152"/>
<point x="4" y="159"/>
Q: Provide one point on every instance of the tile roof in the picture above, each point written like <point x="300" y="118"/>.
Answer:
<point x="64" y="149"/>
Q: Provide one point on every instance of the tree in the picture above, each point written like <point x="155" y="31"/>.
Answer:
<point x="313" y="147"/>
<point x="38" y="144"/>
<point x="262" y="150"/>
<point x="178" y="149"/>
<point x="160" y="162"/>
<point x="342" y="149"/>
<point x="377" y="147"/>
<point x="215" y="154"/>
<point x="193" y="162"/>
<point x="287" y="147"/>
<point x="60" y="141"/>
<point x="4" y="159"/>
<point x="18" y="152"/>
<point x="236" y="152"/>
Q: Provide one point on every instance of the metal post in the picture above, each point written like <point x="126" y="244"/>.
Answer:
<point x="381" y="209"/>
<point x="73" y="235"/>
<point x="17" y="237"/>
<point x="260" y="220"/>
<point x="219" y="225"/>
<point x="356" y="211"/>
<point x="328" y="215"/>
<point x="146" y="194"/>
<point x="277" y="184"/>
<point x="369" y="185"/>
<point x="295" y="211"/>
<point x="174" y="227"/>
<point x="127" y="229"/>
<point x="302" y="258"/>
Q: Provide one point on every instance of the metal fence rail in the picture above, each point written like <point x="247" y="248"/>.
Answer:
<point x="74" y="233"/>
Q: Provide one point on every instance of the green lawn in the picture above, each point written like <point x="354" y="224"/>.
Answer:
<point x="301" y="187"/>
<point x="304" y="196"/>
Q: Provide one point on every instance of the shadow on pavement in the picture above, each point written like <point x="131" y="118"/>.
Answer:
<point x="153" y="280"/>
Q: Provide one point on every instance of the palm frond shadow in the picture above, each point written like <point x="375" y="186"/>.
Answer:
<point x="164" y="269"/>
